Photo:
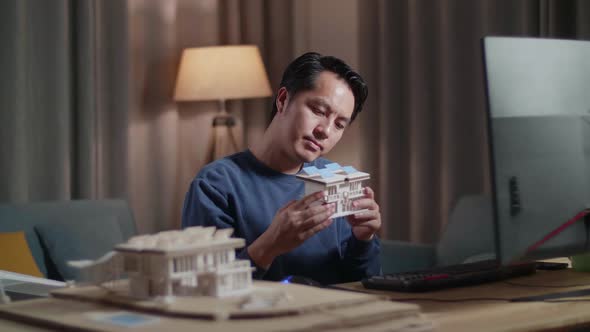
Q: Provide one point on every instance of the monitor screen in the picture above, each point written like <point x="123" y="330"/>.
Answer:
<point x="539" y="119"/>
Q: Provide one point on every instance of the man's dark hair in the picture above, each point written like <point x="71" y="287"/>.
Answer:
<point x="301" y="74"/>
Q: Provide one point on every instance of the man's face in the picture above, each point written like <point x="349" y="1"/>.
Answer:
<point x="315" y="120"/>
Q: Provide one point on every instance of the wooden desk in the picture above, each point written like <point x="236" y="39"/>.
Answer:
<point x="474" y="314"/>
<point x="500" y="315"/>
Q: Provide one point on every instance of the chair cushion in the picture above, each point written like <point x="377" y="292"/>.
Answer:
<point x="76" y="240"/>
<point x="16" y="254"/>
<point x="14" y="222"/>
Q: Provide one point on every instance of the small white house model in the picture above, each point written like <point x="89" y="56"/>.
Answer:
<point x="342" y="185"/>
<point x="194" y="261"/>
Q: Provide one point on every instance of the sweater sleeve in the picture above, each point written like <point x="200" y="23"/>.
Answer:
<point x="205" y="205"/>
<point x="360" y="259"/>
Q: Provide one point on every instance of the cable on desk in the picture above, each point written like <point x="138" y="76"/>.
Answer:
<point x="453" y="300"/>
<point x="571" y="300"/>
<point x="582" y="215"/>
<point x="475" y="299"/>
<point x="544" y="286"/>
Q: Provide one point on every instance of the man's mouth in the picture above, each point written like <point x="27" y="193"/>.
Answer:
<point x="314" y="143"/>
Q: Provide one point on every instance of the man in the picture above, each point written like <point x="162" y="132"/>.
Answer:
<point x="256" y="191"/>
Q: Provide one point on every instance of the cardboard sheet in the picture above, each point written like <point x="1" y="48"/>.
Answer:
<point x="282" y="299"/>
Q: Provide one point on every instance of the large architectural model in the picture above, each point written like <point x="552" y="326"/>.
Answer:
<point x="342" y="185"/>
<point x="194" y="261"/>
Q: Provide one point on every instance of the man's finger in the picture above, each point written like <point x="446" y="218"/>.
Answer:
<point x="315" y="210"/>
<point x="365" y="203"/>
<point x="362" y="217"/>
<point x="314" y="220"/>
<point x="307" y="200"/>
<point x="369" y="193"/>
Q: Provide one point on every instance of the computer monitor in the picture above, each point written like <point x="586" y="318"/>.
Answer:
<point x="539" y="129"/>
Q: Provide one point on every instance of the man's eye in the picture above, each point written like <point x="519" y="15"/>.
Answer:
<point x="317" y="111"/>
<point x="340" y="125"/>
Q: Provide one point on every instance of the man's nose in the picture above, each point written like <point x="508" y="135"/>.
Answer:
<point x="322" y="131"/>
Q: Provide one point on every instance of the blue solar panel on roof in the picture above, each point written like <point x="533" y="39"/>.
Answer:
<point x="333" y="166"/>
<point x="311" y="170"/>
<point x="325" y="173"/>
<point x="349" y="169"/>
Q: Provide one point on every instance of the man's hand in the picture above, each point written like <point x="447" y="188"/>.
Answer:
<point x="365" y="224"/>
<point x="292" y="225"/>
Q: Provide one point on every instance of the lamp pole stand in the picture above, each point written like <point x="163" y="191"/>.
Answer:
<point x="224" y="141"/>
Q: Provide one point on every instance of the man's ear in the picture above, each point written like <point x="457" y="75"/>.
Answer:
<point x="282" y="99"/>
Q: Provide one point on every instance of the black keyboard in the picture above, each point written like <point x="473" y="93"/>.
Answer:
<point x="448" y="276"/>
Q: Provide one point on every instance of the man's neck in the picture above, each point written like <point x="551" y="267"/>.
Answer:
<point x="269" y="152"/>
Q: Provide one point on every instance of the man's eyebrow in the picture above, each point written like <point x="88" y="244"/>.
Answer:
<point x="321" y="102"/>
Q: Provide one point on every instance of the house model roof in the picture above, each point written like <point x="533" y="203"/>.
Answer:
<point x="332" y="174"/>
<point x="175" y="241"/>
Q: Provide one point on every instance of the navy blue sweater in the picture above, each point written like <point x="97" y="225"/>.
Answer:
<point x="241" y="192"/>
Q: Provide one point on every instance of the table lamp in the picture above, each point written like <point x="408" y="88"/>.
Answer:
<point x="221" y="73"/>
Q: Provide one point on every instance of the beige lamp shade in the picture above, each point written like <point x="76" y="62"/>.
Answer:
<point x="220" y="73"/>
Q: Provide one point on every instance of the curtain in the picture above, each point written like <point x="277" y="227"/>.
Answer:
<point x="428" y="125"/>
<point x="63" y="116"/>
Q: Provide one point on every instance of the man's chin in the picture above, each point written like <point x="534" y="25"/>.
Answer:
<point x="307" y="156"/>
